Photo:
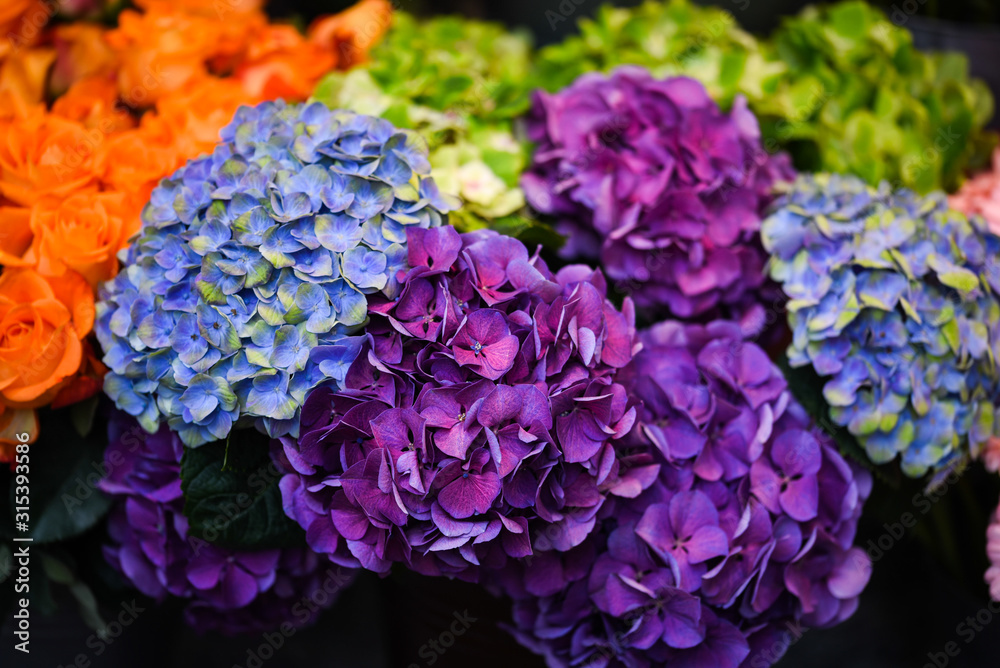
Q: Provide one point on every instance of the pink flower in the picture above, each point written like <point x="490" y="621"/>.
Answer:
<point x="993" y="552"/>
<point x="981" y="195"/>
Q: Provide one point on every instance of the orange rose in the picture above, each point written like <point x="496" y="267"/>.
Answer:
<point x="23" y="75"/>
<point x="195" y="115"/>
<point x="353" y="32"/>
<point x="14" y="421"/>
<point x="93" y="101"/>
<point x="21" y="23"/>
<point x="44" y="154"/>
<point x="135" y="160"/>
<point x="42" y="322"/>
<point x="281" y="63"/>
<point x="163" y="50"/>
<point x="81" y="52"/>
<point x="80" y="233"/>
<point x="15" y="235"/>
<point x="217" y="8"/>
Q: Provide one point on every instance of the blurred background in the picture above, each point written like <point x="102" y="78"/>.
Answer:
<point x="926" y="596"/>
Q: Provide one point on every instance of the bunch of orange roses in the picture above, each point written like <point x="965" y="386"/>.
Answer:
<point x="91" y="118"/>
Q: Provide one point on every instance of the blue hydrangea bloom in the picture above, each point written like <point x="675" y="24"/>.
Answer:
<point x="251" y="274"/>
<point x="893" y="298"/>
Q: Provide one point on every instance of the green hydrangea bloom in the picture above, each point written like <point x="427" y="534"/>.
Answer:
<point x="860" y="98"/>
<point x="669" y="39"/>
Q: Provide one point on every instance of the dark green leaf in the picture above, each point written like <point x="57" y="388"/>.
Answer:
<point x="232" y="498"/>
<point x="531" y="232"/>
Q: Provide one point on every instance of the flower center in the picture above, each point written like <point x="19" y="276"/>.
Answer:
<point x="477" y="347"/>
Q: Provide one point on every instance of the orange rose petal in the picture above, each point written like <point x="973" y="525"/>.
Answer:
<point x="93" y="102"/>
<point x="45" y="155"/>
<point x="81" y="233"/>
<point x="76" y="294"/>
<point x="60" y="359"/>
<point x="353" y="32"/>
<point x="15" y="235"/>
<point x="23" y="74"/>
<point x="24" y="286"/>
<point x="82" y="51"/>
<point x="217" y="9"/>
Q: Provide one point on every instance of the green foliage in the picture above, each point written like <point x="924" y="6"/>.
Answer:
<point x="231" y="495"/>
<point x="669" y="39"/>
<point x="454" y="63"/>
<point x="860" y="98"/>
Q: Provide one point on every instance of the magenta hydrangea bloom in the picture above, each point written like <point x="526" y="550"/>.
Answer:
<point x="748" y="526"/>
<point x="483" y="407"/>
<point x="228" y="591"/>
<point x="651" y="177"/>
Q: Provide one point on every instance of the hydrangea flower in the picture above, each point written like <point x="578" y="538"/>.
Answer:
<point x="254" y="266"/>
<point x="482" y="407"/>
<point x="980" y="195"/>
<point x="821" y="84"/>
<point x="227" y="590"/>
<point x="650" y="176"/>
<point x="747" y="526"/>
<point x="892" y="298"/>
<point x="993" y="553"/>
<point x="669" y="38"/>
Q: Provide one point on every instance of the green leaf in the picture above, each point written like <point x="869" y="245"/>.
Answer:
<point x="531" y="232"/>
<point x="232" y="499"/>
<point x="82" y="415"/>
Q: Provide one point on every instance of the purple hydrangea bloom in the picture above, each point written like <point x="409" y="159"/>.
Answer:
<point x="482" y="407"/>
<point x="252" y="269"/>
<point x="229" y="591"/>
<point x="747" y="528"/>
<point x="654" y="179"/>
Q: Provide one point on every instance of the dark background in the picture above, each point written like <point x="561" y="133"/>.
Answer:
<point x="925" y="585"/>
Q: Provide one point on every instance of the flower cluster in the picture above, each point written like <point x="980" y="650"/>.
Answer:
<point x="131" y="105"/>
<point x="748" y="525"/>
<point x="993" y="553"/>
<point x="459" y="83"/>
<point x="482" y="407"/>
<point x="843" y="62"/>
<point x="449" y="62"/>
<point x="228" y="591"/>
<point x="980" y="195"/>
<point x="653" y="178"/>
<point x="894" y="299"/>
<point x="821" y="84"/>
<point x="254" y="266"/>
<point x="671" y="38"/>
